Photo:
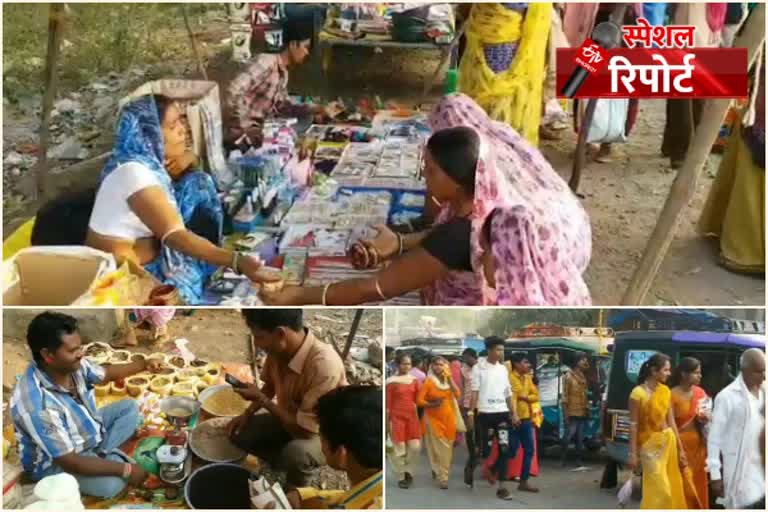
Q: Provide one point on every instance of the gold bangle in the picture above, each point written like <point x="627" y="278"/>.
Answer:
<point x="325" y="294"/>
<point x="378" y="290"/>
<point x="235" y="257"/>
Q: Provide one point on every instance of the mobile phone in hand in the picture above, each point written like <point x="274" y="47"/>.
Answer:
<point x="234" y="382"/>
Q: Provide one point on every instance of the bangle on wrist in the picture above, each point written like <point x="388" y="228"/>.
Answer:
<point x="325" y="294"/>
<point x="235" y="258"/>
<point x="127" y="471"/>
<point x="400" y="244"/>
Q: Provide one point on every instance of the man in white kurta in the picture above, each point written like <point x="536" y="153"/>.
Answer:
<point x="738" y="419"/>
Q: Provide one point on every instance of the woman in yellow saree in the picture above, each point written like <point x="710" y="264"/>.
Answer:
<point x="442" y="418"/>
<point x="654" y="440"/>
<point x="504" y="64"/>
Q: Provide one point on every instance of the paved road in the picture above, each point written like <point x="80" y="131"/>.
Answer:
<point x="560" y="489"/>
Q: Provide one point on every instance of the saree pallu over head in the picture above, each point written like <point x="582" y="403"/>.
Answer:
<point x="139" y="139"/>
<point x="512" y="175"/>
<point x="514" y="95"/>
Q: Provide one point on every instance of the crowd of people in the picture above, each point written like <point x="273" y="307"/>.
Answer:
<point x="303" y="416"/>
<point x="504" y="228"/>
<point x="689" y="450"/>
<point x="490" y="405"/>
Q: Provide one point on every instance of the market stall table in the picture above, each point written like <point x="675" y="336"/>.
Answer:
<point x="362" y="176"/>
<point x="327" y="41"/>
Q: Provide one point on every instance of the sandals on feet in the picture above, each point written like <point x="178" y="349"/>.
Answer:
<point x="504" y="494"/>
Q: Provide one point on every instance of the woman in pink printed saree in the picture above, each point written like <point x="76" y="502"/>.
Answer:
<point x="540" y="236"/>
<point x="474" y="166"/>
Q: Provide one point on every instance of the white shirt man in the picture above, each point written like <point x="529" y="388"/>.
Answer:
<point x="491" y="382"/>
<point x="738" y="419"/>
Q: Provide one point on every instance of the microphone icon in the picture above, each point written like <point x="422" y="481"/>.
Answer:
<point x="607" y="35"/>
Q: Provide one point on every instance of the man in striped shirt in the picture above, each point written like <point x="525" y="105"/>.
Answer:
<point x="58" y="426"/>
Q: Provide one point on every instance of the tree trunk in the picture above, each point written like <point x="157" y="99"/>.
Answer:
<point x="55" y="30"/>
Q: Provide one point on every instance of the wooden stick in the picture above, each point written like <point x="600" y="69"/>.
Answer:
<point x="199" y="60"/>
<point x="684" y="186"/>
<point x="352" y="333"/>
<point x="55" y="31"/>
<point x="581" y="145"/>
<point x="446" y="55"/>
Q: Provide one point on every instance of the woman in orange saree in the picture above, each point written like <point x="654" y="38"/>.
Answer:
<point x="687" y="398"/>
<point x="654" y="440"/>
<point x="442" y="418"/>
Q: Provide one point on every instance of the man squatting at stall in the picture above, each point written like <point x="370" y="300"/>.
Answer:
<point x="260" y="91"/>
<point x="298" y="371"/>
<point x="57" y="423"/>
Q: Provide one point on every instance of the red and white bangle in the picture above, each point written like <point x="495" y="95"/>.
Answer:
<point x="127" y="470"/>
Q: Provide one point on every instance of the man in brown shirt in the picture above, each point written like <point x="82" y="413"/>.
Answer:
<point x="299" y="370"/>
<point x="576" y="407"/>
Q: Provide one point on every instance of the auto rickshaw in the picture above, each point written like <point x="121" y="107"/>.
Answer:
<point x="551" y="359"/>
<point x="719" y="355"/>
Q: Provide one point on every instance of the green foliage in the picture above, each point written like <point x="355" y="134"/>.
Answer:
<point x="503" y="321"/>
<point x="98" y="39"/>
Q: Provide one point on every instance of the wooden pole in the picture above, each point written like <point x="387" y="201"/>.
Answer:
<point x="581" y="145"/>
<point x="445" y="56"/>
<point x="192" y="41"/>
<point x="55" y="30"/>
<point x="585" y="121"/>
<point x="352" y="333"/>
<point x="684" y="186"/>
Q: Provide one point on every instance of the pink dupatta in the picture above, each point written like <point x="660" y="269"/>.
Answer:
<point x="514" y="176"/>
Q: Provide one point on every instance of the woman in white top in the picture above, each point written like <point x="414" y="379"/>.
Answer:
<point x="151" y="211"/>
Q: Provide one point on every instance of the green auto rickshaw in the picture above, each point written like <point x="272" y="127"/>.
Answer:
<point x="551" y="359"/>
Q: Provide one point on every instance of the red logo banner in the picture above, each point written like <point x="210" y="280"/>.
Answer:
<point x="657" y="73"/>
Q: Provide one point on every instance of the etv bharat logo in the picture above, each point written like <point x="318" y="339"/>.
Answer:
<point x="592" y="52"/>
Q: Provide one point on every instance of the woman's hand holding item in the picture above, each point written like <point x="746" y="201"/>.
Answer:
<point x="369" y="253"/>
<point x="288" y="296"/>
<point x="632" y="462"/>
<point x="252" y="268"/>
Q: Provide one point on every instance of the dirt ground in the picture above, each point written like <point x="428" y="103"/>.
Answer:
<point x="623" y="198"/>
<point x="221" y="335"/>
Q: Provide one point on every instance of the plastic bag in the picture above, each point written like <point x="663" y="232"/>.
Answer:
<point x="119" y="288"/>
<point x="609" y="122"/>
<point x="625" y="493"/>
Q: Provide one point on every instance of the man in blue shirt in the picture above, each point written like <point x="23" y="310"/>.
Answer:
<point x="54" y="412"/>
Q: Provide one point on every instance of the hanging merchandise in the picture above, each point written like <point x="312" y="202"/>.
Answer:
<point x="267" y="27"/>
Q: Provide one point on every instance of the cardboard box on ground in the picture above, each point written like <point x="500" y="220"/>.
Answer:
<point x="68" y="276"/>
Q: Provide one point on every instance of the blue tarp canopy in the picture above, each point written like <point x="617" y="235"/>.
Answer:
<point x="667" y="319"/>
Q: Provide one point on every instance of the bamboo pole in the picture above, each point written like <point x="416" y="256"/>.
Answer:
<point x="192" y="41"/>
<point x="684" y="186"/>
<point x="352" y="333"/>
<point x="56" y="14"/>
<point x="585" y="121"/>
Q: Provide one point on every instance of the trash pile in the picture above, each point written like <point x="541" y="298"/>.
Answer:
<point x="81" y="126"/>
